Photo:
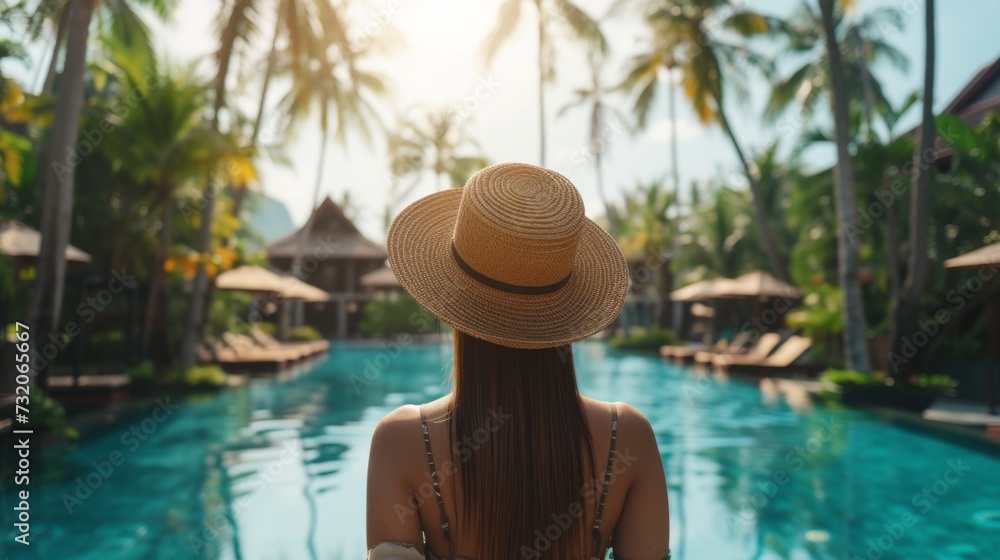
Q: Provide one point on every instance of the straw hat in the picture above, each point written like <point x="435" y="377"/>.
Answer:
<point x="511" y="259"/>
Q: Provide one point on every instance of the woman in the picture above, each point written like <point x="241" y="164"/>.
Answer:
<point x="514" y="463"/>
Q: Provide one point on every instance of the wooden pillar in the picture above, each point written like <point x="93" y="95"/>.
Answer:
<point x="342" y="317"/>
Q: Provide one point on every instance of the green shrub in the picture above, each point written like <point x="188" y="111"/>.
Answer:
<point x="200" y="376"/>
<point x="305" y="333"/>
<point x="144" y="372"/>
<point x="268" y="328"/>
<point x="878" y="381"/>
<point x="50" y="416"/>
<point x="646" y="340"/>
<point x="387" y="318"/>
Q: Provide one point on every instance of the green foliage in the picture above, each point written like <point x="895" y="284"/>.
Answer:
<point x="199" y="376"/>
<point x="305" y="333"/>
<point x="848" y="379"/>
<point x="387" y="318"/>
<point x="48" y="416"/>
<point x="142" y="373"/>
<point x="645" y="340"/>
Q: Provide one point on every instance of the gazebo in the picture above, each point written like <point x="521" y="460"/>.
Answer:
<point x="333" y="258"/>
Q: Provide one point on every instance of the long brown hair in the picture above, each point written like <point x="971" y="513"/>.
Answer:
<point x="522" y="449"/>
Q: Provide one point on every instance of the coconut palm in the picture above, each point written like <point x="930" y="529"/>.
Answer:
<point x="691" y="34"/>
<point x="56" y="184"/>
<point x="438" y="141"/>
<point x="862" y="44"/>
<point x="905" y="310"/>
<point x="855" y="336"/>
<point x="336" y="82"/>
<point x="164" y="143"/>
<point x="580" y="25"/>
<point x="593" y="94"/>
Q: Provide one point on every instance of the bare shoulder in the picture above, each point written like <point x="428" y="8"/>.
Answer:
<point x="396" y="441"/>
<point x="635" y="433"/>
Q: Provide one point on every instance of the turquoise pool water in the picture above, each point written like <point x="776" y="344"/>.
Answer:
<point x="276" y="470"/>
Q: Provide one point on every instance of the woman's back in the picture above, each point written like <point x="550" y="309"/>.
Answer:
<point x="514" y="461"/>
<point x="634" y="518"/>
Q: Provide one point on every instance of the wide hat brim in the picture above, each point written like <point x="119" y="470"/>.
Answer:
<point x="419" y="250"/>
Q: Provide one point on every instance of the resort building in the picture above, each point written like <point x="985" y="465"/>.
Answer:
<point x="334" y="257"/>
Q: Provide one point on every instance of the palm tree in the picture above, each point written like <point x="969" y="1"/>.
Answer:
<point x="56" y="182"/>
<point x="164" y="143"/>
<point x="862" y="45"/>
<point x="236" y="31"/>
<point x="905" y="312"/>
<point x="593" y="95"/>
<point x="691" y="34"/>
<point x="646" y="231"/>
<point x="577" y="22"/>
<point x="435" y="140"/>
<point x="855" y="337"/>
<point x="338" y="82"/>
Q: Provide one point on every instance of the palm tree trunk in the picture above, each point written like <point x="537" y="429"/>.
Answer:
<point x="763" y="224"/>
<point x="855" y="340"/>
<point x="284" y="326"/>
<point x="240" y="195"/>
<point x="157" y="304"/>
<point x="677" y="312"/>
<point x="199" y="288"/>
<point x="56" y="185"/>
<point x="905" y="316"/>
<point x="541" y="83"/>
<point x="50" y="74"/>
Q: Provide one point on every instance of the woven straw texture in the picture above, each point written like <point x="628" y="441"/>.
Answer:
<point x="517" y="224"/>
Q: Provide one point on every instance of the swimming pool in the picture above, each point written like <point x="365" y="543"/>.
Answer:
<point x="276" y="470"/>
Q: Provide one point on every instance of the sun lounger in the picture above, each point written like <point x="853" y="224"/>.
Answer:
<point x="267" y="341"/>
<point x="215" y="352"/>
<point x="784" y="358"/>
<point x="765" y="345"/>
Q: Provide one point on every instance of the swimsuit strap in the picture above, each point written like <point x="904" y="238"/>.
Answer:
<point x="607" y="480"/>
<point x="445" y="526"/>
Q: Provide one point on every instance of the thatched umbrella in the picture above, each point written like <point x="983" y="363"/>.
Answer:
<point x="380" y="279"/>
<point x="19" y="240"/>
<point x="700" y="291"/>
<point x="259" y="280"/>
<point x="757" y="284"/>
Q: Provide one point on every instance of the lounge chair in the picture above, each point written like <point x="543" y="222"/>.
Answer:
<point x="267" y="341"/>
<point x="213" y="351"/>
<point x="783" y="358"/>
<point x="765" y="345"/>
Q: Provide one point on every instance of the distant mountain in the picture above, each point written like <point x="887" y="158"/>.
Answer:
<point x="267" y="219"/>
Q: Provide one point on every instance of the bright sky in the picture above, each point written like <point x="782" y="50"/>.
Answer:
<point x="439" y="65"/>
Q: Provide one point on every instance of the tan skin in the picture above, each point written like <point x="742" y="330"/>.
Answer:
<point x="635" y="517"/>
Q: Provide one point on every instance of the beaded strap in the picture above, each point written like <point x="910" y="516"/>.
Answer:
<point x="598" y="540"/>
<point x="445" y="525"/>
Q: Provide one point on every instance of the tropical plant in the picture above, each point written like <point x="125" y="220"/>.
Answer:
<point x="906" y="307"/>
<point x="693" y="35"/>
<point x="593" y="94"/>
<point x="437" y="141"/>
<point x="335" y="81"/>
<point x="576" y="21"/>
<point x="863" y="43"/>
<point x="855" y="332"/>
